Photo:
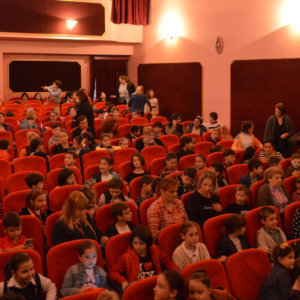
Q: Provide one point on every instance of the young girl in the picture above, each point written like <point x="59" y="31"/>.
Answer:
<point x="36" y="148"/>
<point x="200" y="162"/>
<point x="143" y="259"/>
<point x="190" y="250"/>
<point x="36" y="205"/>
<point x="66" y="177"/>
<point x="169" y="286"/>
<point x="90" y="194"/>
<point x="199" y="288"/>
<point x="78" y="146"/>
<point x="105" y="144"/>
<point x="124" y="143"/>
<point x="85" y="274"/>
<point x="137" y="162"/>
<point x="22" y="280"/>
<point x="89" y="142"/>
<point x="63" y="145"/>
<point x="279" y="281"/>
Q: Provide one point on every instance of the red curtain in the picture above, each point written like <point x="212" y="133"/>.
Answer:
<point x="134" y="12"/>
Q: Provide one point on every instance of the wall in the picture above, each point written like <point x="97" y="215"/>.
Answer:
<point x="250" y="30"/>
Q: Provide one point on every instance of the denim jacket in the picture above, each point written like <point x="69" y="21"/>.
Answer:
<point x="76" y="276"/>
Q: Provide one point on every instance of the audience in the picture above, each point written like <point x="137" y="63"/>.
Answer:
<point x="35" y="181"/>
<point x="213" y="122"/>
<point x="146" y="189"/>
<point x="63" y="145"/>
<point x="137" y="163"/>
<point x="66" y="177"/>
<point x="200" y="162"/>
<point x="3" y="126"/>
<point x="214" y="136"/>
<point x="4" y="147"/>
<point x="135" y="132"/>
<point x="186" y="181"/>
<point x="294" y="293"/>
<point x="152" y="99"/>
<point x="293" y="169"/>
<point x="268" y="151"/>
<point x="186" y="147"/>
<point x="148" y="140"/>
<point x="70" y="159"/>
<point x="171" y="165"/>
<point x="197" y="126"/>
<point x="255" y="172"/>
<point x="175" y="126"/>
<point x="218" y="169"/>
<point x="83" y="127"/>
<point x="56" y="127"/>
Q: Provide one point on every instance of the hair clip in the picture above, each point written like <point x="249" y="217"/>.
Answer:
<point x="284" y="245"/>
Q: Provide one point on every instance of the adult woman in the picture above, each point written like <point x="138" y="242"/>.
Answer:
<point x="175" y="126"/>
<point x="197" y="126"/>
<point x="24" y="97"/>
<point x="66" y="177"/>
<point x="137" y="162"/>
<point x="85" y="108"/>
<point x="75" y="223"/>
<point x="64" y="145"/>
<point x="125" y="89"/>
<point x="204" y="203"/>
<point x="246" y="138"/>
<point x="167" y="209"/>
<point x="110" y="126"/>
<point x="148" y="140"/>
<point x="279" y="129"/>
<point x="273" y="192"/>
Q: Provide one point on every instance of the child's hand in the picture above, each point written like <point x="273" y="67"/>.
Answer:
<point x="217" y="207"/>
<point x="222" y="258"/>
<point x="124" y="285"/>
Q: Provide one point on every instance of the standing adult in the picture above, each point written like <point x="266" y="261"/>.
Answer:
<point x="279" y="129"/>
<point x="84" y="107"/>
<point x="125" y="89"/>
<point x="54" y="90"/>
<point x="138" y="100"/>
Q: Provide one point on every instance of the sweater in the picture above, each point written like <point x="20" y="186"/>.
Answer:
<point x="237" y="143"/>
<point x="270" y="127"/>
<point x="226" y="247"/>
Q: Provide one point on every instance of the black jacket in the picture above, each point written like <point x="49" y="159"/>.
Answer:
<point x="226" y="247"/>
<point x="86" y="109"/>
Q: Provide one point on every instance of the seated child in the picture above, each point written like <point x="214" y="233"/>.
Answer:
<point x="268" y="151"/>
<point x="146" y="189"/>
<point x="114" y="193"/>
<point x="100" y="114"/>
<point x="240" y="206"/>
<point x="66" y="177"/>
<point x="295" y="164"/>
<point x="278" y="283"/>
<point x="70" y="159"/>
<point x="156" y="187"/>
<point x="137" y="163"/>
<point x="229" y="158"/>
<point x="4" y="147"/>
<point x="143" y="259"/>
<point x="296" y="193"/>
<point x="64" y="145"/>
<point x="78" y="146"/>
<point x="85" y="274"/>
<point x="200" y="162"/>
<point x="123" y="216"/>
<point x="171" y="165"/>
<point x="255" y="167"/>
<point x="36" y="148"/>
<point x="35" y="181"/>
<point x="295" y="225"/>
<point x="13" y="239"/>
<point x="187" y="181"/>
<point x="217" y="148"/>
<point x="135" y="114"/>
<point x="190" y="250"/>
<point x="105" y="144"/>
<point x="116" y="113"/>
<point x="135" y="132"/>
<point x="21" y="279"/>
<point x="234" y="240"/>
<point x="214" y="136"/>
<point x="88" y="142"/>
<point x="269" y="235"/>
<point x="213" y="122"/>
<point x="186" y="147"/>
<point x="82" y="127"/>
<point x="91" y="195"/>
<point x="36" y="205"/>
<point x="294" y="293"/>
<point x="274" y="162"/>
<point x="124" y="143"/>
<point x="217" y="168"/>
<point x="157" y="129"/>
<point x="56" y="127"/>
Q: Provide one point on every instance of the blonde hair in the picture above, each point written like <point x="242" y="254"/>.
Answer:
<point x="270" y="172"/>
<point x="207" y="174"/>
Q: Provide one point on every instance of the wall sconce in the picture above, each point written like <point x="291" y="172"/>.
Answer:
<point x="171" y="27"/>
<point x="71" y="24"/>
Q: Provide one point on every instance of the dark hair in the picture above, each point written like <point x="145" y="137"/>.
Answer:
<point x="63" y="175"/>
<point x="12" y="219"/>
<point x="202" y="156"/>
<point x="175" y="281"/>
<point x="115" y="183"/>
<point x="82" y="96"/>
<point x="90" y="138"/>
<point x="104" y="135"/>
<point x="140" y="157"/>
<point x="214" y="115"/>
<point x="265" y="211"/>
<point x="32" y="196"/>
<point x="242" y="188"/>
<point x="217" y="148"/>
<point x="281" y="251"/>
<point x="89" y="192"/>
<point x="10" y="113"/>
<point x="280" y="106"/>
<point x="56" y="125"/>
<point x="118" y="208"/>
<point x="185" y="140"/>
<point x="273" y="161"/>
<point x="71" y="107"/>
<point x="73" y="153"/>
<point x="179" y="127"/>
<point x="200" y="119"/>
<point x="186" y="226"/>
<point x="268" y="142"/>
<point x="249" y="153"/>
<point x="34" y="144"/>
<point x="234" y="222"/>
<point x="99" y="111"/>
<point x="86" y="245"/>
<point x="78" y="139"/>
<point x="2" y="113"/>
<point x="58" y="82"/>
<point x="24" y="94"/>
<point x="12" y="296"/>
<point x="158" y="124"/>
<point x="14" y="263"/>
<point x="200" y="275"/>
<point x="171" y="155"/>
<point x="228" y="152"/>
<point x="146" y="179"/>
<point x="207" y="174"/>
<point x="218" y="166"/>
<point x="4" y="144"/>
<point x="81" y="118"/>
<point x="33" y="179"/>
<point x="137" y="112"/>
<point x="254" y="164"/>
<point x="143" y="233"/>
<point x="246" y="125"/>
<point x="134" y="128"/>
<point x="190" y="172"/>
<point x="107" y="159"/>
<point x="156" y="185"/>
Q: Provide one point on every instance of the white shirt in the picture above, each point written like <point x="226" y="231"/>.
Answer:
<point x="193" y="255"/>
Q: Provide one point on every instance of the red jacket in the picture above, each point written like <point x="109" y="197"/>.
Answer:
<point x="128" y="264"/>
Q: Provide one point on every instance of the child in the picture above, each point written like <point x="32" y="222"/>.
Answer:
<point x="143" y="259"/>
<point x="295" y="164"/>
<point x="63" y="145"/>
<point x="229" y="158"/>
<point x="156" y="187"/>
<point x="91" y="195"/>
<point x="152" y="99"/>
<point x="269" y="235"/>
<point x="255" y="167"/>
<point x="186" y="181"/>
<point x="213" y="122"/>
<point x="274" y="162"/>
<point x="124" y="143"/>
<point x="278" y="283"/>
<point x="214" y="136"/>
<point x="114" y="193"/>
<point x="171" y="165"/>
<point x="56" y="127"/>
<point x="135" y="114"/>
<point x="105" y="144"/>
<point x="13" y="240"/>
<point x="296" y="193"/>
<point x="66" y="177"/>
<point x="78" y="146"/>
<point x="70" y="159"/>
<point x="137" y="163"/>
<point x="135" y="132"/>
<point x="157" y="129"/>
<point x="85" y="274"/>
<point x="186" y="147"/>
<point x="100" y="114"/>
<point x="4" y="147"/>
<point x="146" y="189"/>
<point x="88" y="142"/>
<point x="36" y="205"/>
<point x="153" y="112"/>
<point x="116" y="113"/>
<point x="200" y="162"/>
<point x="294" y="293"/>
<point x="123" y="217"/>
<point x="234" y="240"/>
<point x="36" y="148"/>
<point x="190" y="250"/>
<point x="268" y="151"/>
<point x="35" y="181"/>
<point x="218" y="168"/>
<point x="240" y="206"/>
<point x="21" y="279"/>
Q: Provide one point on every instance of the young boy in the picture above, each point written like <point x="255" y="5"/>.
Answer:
<point x="269" y="235"/>
<point x="4" y="147"/>
<point x="35" y="181"/>
<point x="274" y="162"/>
<point x="213" y="121"/>
<point x="135" y="132"/>
<point x="295" y="164"/>
<point x="123" y="216"/>
<point x="240" y="206"/>
<point x="255" y="167"/>
<point x="268" y="151"/>
<point x="214" y="136"/>
<point x="146" y="189"/>
<point x="200" y="162"/>
<point x="157" y="129"/>
<point x="13" y="240"/>
<point x="171" y="165"/>
<point x="153" y="111"/>
<point x="217" y="168"/>
<point x="186" y="145"/>
<point x="229" y="158"/>
<point x="186" y="181"/>
<point x="70" y="159"/>
<point x="100" y="114"/>
<point x="56" y="127"/>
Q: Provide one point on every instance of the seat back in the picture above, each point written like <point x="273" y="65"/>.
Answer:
<point x="93" y="157"/>
<point x="14" y="201"/>
<point x="123" y="155"/>
<point x="143" y="210"/>
<point x="122" y="121"/>
<point x="174" y="148"/>
<point x="5" y="170"/>
<point x="57" y="161"/>
<point x="254" y="190"/>
<point x="156" y="165"/>
<point x="123" y="130"/>
<point x="226" y="144"/>
<point x="235" y="172"/>
<point x="239" y="155"/>
<point x="285" y="163"/>
<point x="161" y="119"/>
<point x="226" y="195"/>
<point x="246" y="272"/>
<point x="50" y="222"/>
<point x="125" y="168"/>
<point x="185" y="196"/>
<point x="195" y="136"/>
<point x="31" y="163"/>
<point x="87" y="295"/>
<point x="9" y="136"/>
<point x="289" y="184"/>
<point x="102" y="187"/>
<point x="135" y="187"/>
<point x="149" y="153"/>
<point x="169" y="139"/>
<point x="203" y="148"/>
<point x="206" y="136"/>
<point x="90" y="171"/>
<point x="187" y="161"/>
<point x="288" y="217"/>
<point x="214" y="157"/>
<point x="139" y="121"/>
<point x="20" y="137"/>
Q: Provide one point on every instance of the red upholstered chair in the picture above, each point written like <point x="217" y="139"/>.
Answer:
<point x="93" y="157"/>
<point x="2" y="189"/>
<point x="61" y="257"/>
<point x="115" y="247"/>
<point x="59" y="195"/>
<point x="123" y="155"/>
<point x="6" y="256"/>
<point x="102" y="187"/>
<point x="212" y="231"/>
<point x="125" y="168"/>
<point x="169" y="139"/>
<point x="122" y="106"/>
<point x="187" y="161"/>
<point x="174" y="175"/>
<point x="31" y="163"/>
<point x="289" y="183"/>
<point x="5" y="170"/>
<point x="235" y="172"/>
<point x="254" y="190"/>
<point x="123" y="130"/>
<point x="90" y="171"/>
<point x="161" y="119"/>
<point x="135" y="188"/>
<point x="149" y="153"/>
<point x="104" y="218"/>
<point x="136" y="139"/>
<point x="50" y="123"/>
<point x="12" y="123"/>
<point x="46" y="137"/>
<point x="194" y="136"/>
<point x="203" y="148"/>
<point x="214" y="157"/>
<point x="200" y="172"/>
<point x="288" y="216"/>
<point x="214" y="270"/>
<point x="246" y="272"/>
<point x="169" y="236"/>
<point x="285" y="163"/>
<point x="226" y="144"/>
<point x="122" y="121"/>
<point x="174" y="148"/>
<point x="9" y="136"/>
<point x="239" y="154"/>
<point x="143" y="210"/>
<point x="186" y="123"/>
<point x="141" y="289"/>
<point x="57" y="161"/>
<point x="156" y="165"/>
<point x="20" y="137"/>
<point x="92" y="294"/>
<point x="50" y="222"/>
<point x="253" y="223"/>
<point x="140" y="121"/>
<point x="292" y="242"/>
<point x="185" y="196"/>
<point x="206" y="136"/>
<point x="14" y="201"/>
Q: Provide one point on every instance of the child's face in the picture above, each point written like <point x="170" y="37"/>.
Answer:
<point x="53" y="116"/>
<point x="56" y="131"/>
<point x="75" y="144"/>
<point x="190" y="145"/>
<point x="40" y="202"/>
<point x="115" y="193"/>
<point x="124" y="144"/>
<point x="116" y="114"/>
<point x="38" y="187"/>
<point x="139" y="246"/>
<point x="268" y="148"/>
<point x="89" y="258"/>
<point x="154" y="112"/>
<point x="13" y="233"/>
<point x="287" y="261"/>
<point x="198" y="290"/>
<point x="240" y="197"/>
<point x="100" y="116"/>
<point x="134" y="115"/>
<point x="191" y="238"/>
<point x="156" y="129"/>
<point x="72" y="113"/>
<point x="258" y="171"/>
<point x="69" y="160"/>
<point x="104" y="167"/>
<point x="71" y="179"/>
<point x="106" y="141"/>
<point x="136" y="162"/>
<point x="186" y="180"/>
<point x="63" y="137"/>
<point x="126" y="215"/>
<point x="241" y="231"/>
<point x="83" y="124"/>
<point x="148" y="188"/>
<point x="24" y="273"/>
<point x="199" y="163"/>
<point x="270" y="222"/>
<point x="171" y="163"/>
<point x="162" y="289"/>
<point x="295" y="163"/>
<point x="229" y="159"/>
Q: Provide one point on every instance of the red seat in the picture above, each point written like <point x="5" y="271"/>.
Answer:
<point x="226" y="144"/>
<point x="143" y="210"/>
<point x="104" y="218"/>
<point x="122" y="121"/>
<point x="195" y="136"/>
<point x="214" y="270"/>
<point x="12" y="123"/>
<point x="92" y="294"/>
<point x="156" y="165"/>
<point x="20" y="137"/>
<point x="206" y="136"/>
<point x="288" y="216"/>
<point x="254" y="190"/>
<point x="161" y="119"/>
<point x="289" y="184"/>
<point x="203" y="148"/>
<point x="185" y="196"/>
<point x="61" y="257"/>
<point x="239" y="155"/>
<point x="102" y="187"/>
<point x="214" y="157"/>
<point x="90" y="171"/>
<point x="123" y="155"/>
<point x="122" y="106"/>
<point x="46" y="137"/>
<point x="212" y="231"/>
<point x="123" y="130"/>
<point x="50" y="123"/>
<point x="2" y="189"/>
<point x="57" y="161"/>
<point x="174" y="148"/>
<point x="253" y="223"/>
<point x="5" y="170"/>
<point x="226" y="195"/>
<point x="186" y="123"/>
<point x="169" y="236"/>
<point x="136" y="139"/>
<point x="59" y="195"/>
<point x="135" y="188"/>
<point x="187" y="161"/>
<point x="93" y="157"/>
<point x="9" y="136"/>
<point x="140" y="121"/>
<point x="235" y="172"/>
<point x="52" y="147"/>
<point x="174" y="175"/>
<point x="125" y="168"/>
<point x="50" y="222"/>
<point x="6" y="256"/>
<point x="31" y="163"/>
<point x="246" y="272"/>
<point x="14" y="201"/>
<point x="149" y="153"/>
<point x="285" y="163"/>
<point x="169" y="139"/>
